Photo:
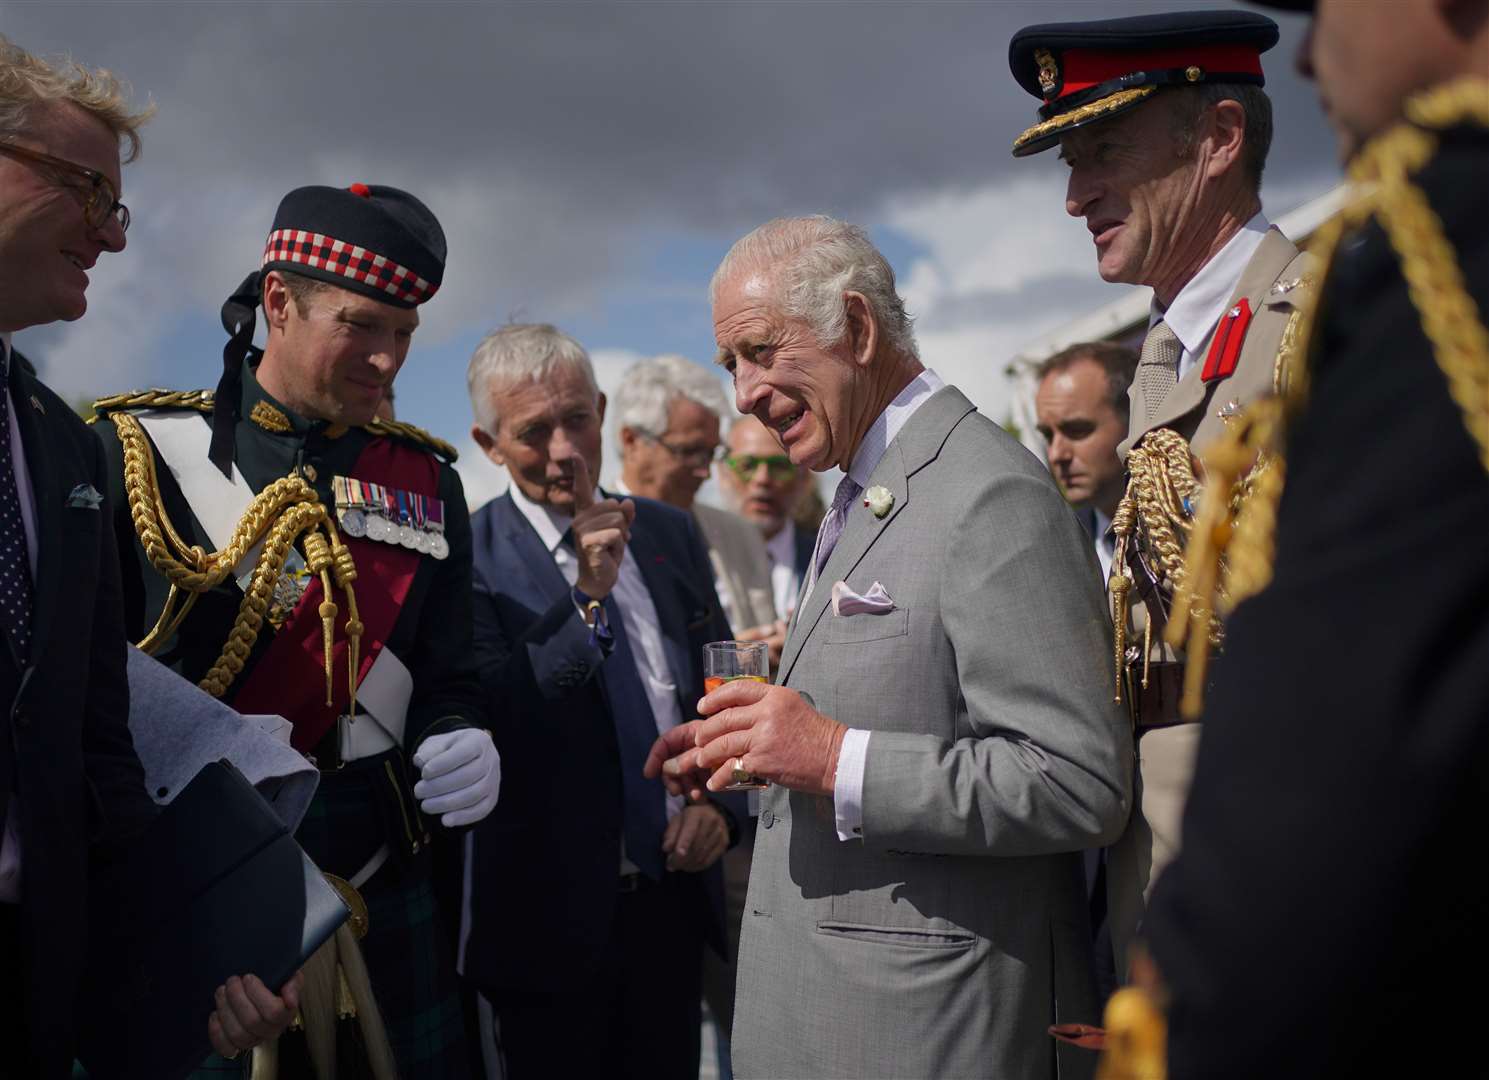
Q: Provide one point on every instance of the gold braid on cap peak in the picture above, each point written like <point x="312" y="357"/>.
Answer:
<point x="279" y="515"/>
<point x="1233" y="560"/>
<point x="1083" y="113"/>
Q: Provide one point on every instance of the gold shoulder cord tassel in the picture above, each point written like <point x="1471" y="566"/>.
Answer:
<point x="279" y="515"/>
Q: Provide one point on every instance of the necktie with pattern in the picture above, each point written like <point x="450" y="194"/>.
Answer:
<point x="832" y="525"/>
<point x="15" y="563"/>
<point x="1158" y="366"/>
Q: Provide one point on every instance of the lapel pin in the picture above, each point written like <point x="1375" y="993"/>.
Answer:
<point x="37" y="405"/>
<point x="878" y="499"/>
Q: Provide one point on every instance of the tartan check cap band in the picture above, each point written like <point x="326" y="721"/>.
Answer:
<point x="365" y="270"/>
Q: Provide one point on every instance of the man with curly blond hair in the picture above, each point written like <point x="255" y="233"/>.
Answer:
<point x="72" y="792"/>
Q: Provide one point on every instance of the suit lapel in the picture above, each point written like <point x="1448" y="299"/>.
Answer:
<point x="917" y="443"/>
<point x="1270" y="259"/>
<point x="46" y="490"/>
<point x="527" y="552"/>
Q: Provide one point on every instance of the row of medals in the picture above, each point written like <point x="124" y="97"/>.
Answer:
<point x="366" y="510"/>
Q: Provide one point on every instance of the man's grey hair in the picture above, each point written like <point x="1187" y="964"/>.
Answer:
<point x="810" y="263"/>
<point x="518" y="351"/>
<point x="649" y="387"/>
<point x="1188" y="104"/>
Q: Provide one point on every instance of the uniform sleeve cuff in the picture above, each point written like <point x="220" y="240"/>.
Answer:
<point x="847" y="787"/>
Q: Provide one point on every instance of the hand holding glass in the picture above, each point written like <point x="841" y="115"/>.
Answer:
<point x="726" y="661"/>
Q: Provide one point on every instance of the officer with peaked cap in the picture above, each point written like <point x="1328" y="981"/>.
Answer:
<point x="1331" y="893"/>
<point x="1164" y="126"/>
<point x="296" y="556"/>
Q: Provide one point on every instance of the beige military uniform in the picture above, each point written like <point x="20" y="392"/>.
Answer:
<point x="1274" y="282"/>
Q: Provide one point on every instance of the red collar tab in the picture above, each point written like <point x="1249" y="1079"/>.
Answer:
<point x="1084" y="68"/>
<point x="1225" y="348"/>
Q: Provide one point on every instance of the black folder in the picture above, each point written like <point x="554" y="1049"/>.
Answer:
<point x="216" y="887"/>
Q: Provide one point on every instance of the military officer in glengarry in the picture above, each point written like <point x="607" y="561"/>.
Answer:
<point x="296" y="556"/>
<point x="1164" y="126"/>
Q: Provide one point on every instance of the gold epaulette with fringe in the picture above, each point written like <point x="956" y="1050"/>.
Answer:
<point x="397" y="429"/>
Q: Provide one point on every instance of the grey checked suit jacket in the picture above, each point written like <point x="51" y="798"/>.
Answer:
<point x="945" y="941"/>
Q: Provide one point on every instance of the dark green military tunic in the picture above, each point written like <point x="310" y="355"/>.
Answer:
<point x="410" y="956"/>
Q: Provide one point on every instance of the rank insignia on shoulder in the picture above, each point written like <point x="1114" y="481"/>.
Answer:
<point x="391" y="516"/>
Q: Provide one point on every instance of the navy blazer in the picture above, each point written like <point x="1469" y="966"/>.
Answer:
<point x="65" y="718"/>
<point x="542" y="869"/>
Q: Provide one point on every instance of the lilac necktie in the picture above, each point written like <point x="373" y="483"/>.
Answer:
<point x="832" y="525"/>
<point x="15" y="563"/>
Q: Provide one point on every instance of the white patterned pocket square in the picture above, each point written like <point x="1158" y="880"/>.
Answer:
<point x="84" y="497"/>
<point x="847" y="602"/>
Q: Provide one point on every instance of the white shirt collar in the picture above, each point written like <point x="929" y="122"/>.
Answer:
<point x="549" y="524"/>
<point x="889" y="423"/>
<point x="1196" y="311"/>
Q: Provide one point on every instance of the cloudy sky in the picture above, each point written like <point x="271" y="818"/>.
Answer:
<point x="591" y="162"/>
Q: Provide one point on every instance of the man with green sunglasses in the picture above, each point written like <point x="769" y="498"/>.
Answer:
<point x="767" y="489"/>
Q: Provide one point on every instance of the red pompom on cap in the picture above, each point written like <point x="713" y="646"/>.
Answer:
<point x="362" y="190"/>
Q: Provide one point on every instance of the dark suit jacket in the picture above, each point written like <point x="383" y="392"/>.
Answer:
<point x="1332" y="883"/>
<point x="65" y="721"/>
<point x="543" y="866"/>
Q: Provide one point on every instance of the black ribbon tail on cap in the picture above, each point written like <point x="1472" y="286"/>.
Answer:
<point x="238" y="321"/>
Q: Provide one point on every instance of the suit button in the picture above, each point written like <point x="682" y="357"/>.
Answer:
<point x="767" y="818"/>
<point x="21" y="715"/>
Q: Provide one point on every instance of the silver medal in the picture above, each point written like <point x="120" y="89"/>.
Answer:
<point x="439" y="547"/>
<point x="353" y="522"/>
<point x="407" y="537"/>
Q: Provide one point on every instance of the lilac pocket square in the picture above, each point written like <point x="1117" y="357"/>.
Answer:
<point x="847" y="602"/>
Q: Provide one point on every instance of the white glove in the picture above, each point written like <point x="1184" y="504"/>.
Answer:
<point x="461" y="775"/>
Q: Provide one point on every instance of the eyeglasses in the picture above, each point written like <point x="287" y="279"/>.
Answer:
<point x="696" y="456"/>
<point x="744" y="465"/>
<point x="101" y="201"/>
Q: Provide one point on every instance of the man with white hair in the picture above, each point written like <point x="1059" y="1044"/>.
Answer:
<point x="669" y="416"/>
<point x="591" y="613"/>
<point x="941" y="741"/>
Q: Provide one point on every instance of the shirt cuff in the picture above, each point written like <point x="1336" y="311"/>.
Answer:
<point x="847" y="786"/>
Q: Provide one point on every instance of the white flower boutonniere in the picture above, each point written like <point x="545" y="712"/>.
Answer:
<point x="879" y="499"/>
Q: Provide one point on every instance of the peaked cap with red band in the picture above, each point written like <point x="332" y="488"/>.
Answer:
<point x="377" y="241"/>
<point x="1090" y="71"/>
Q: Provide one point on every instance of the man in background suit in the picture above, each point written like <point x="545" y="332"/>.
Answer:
<point x="669" y="412"/>
<point x="1081" y="408"/>
<point x="767" y="489"/>
<point x="591" y="614"/>
<point x="1165" y="126"/>
<point x="942" y="741"/>
<point x="72" y="793"/>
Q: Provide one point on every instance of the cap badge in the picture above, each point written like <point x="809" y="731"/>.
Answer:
<point x="1049" y="71"/>
<point x="361" y="189"/>
<point x="1194" y="74"/>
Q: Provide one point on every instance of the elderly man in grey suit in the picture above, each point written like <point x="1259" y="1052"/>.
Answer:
<point x="941" y="742"/>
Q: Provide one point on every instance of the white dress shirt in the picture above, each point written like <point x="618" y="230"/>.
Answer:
<point x="642" y="625"/>
<point x="1106" y="543"/>
<point x="1198" y="308"/>
<point x="847" y="789"/>
<point x="10" y="845"/>
<point x="785" y="582"/>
